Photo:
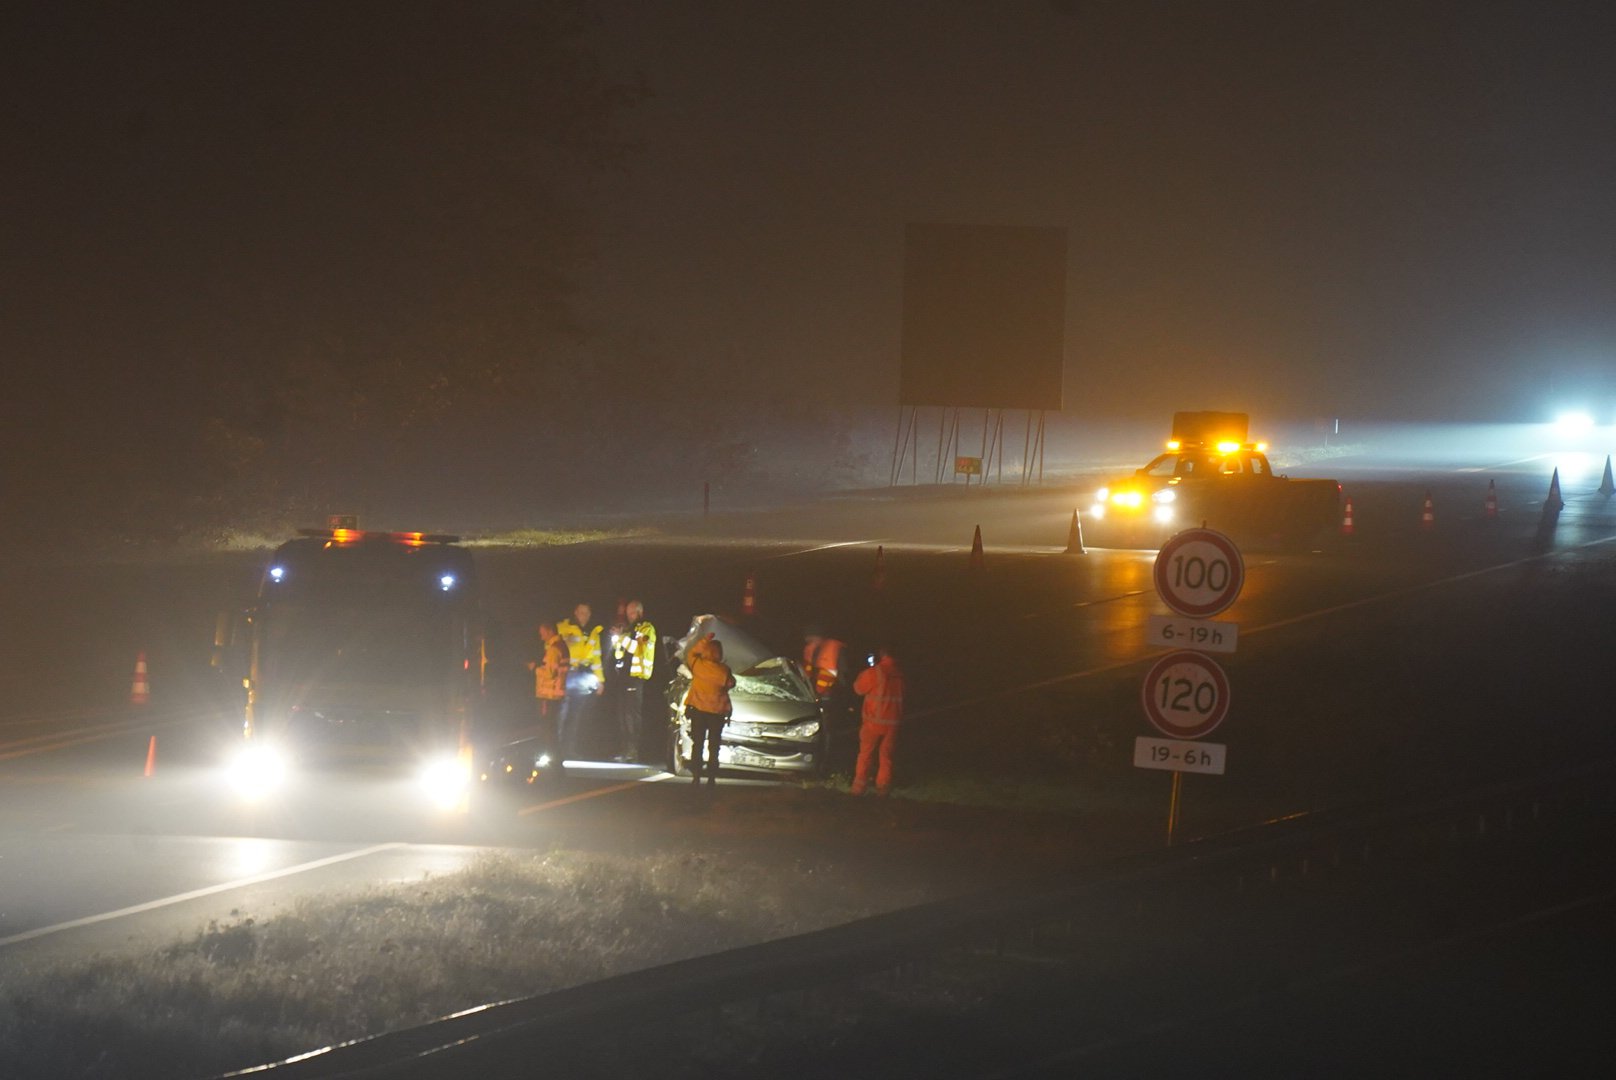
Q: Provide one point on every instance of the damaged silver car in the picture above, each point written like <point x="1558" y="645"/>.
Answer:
<point x="778" y="724"/>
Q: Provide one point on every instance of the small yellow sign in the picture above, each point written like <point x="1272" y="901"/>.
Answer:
<point x="970" y="466"/>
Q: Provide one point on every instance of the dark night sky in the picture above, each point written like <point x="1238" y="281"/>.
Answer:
<point x="1300" y="209"/>
<point x="1360" y="208"/>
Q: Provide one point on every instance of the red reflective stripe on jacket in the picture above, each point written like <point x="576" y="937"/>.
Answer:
<point x="882" y="689"/>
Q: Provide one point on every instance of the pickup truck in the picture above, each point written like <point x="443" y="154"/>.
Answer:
<point x="1227" y="485"/>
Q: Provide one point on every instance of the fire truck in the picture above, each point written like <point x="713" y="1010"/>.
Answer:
<point x="362" y="651"/>
<point x="1210" y="473"/>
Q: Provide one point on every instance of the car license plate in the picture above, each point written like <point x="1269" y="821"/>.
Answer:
<point x="748" y="757"/>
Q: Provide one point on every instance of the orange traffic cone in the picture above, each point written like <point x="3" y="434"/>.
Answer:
<point x="749" y="597"/>
<point x="880" y="566"/>
<point x="976" y="550"/>
<point x="1074" y="536"/>
<point x="1347" y="528"/>
<point x="1607" y="486"/>
<point x="1554" y="503"/>
<point x="151" y="756"/>
<point x="1490" y="504"/>
<point x="1427" y="513"/>
<point x="140" y="690"/>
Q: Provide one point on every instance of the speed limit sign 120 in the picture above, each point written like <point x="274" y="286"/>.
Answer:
<point x="1186" y="695"/>
<point x="1199" y="572"/>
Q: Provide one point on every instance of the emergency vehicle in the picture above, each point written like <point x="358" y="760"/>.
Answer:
<point x="362" y="651"/>
<point x="1211" y="474"/>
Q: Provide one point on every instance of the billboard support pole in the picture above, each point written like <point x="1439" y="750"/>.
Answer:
<point x="1026" y="448"/>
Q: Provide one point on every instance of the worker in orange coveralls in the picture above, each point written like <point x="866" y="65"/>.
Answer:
<point x="881" y="687"/>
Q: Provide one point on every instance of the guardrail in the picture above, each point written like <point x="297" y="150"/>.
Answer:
<point x="903" y="946"/>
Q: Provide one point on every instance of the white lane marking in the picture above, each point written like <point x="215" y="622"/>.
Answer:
<point x="821" y="547"/>
<point x="1117" y="665"/>
<point x="194" y="894"/>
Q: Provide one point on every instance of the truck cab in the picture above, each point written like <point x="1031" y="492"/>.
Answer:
<point x="1210" y="473"/>
<point x="362" y="652"/>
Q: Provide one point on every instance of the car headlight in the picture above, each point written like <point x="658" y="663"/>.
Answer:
<point x="1102" y="495"/>
<point x="802" y="729"/>
<point x="257" y="769"/>
<point x="1165" y="495"/>
<point x="1163" y="513"/>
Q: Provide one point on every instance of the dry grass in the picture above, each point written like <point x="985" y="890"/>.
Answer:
<point x="246" y="992"/>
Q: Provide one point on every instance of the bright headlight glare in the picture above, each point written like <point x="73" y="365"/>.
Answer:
<point x="446" y="780"/>
<point x="257" y="770"/>
<point x="1128" y="498"/>
<point x="1165" y="495"/>
<point x="1097" y="511"/>
<point x="1103" y="494"/>
<point x="1164" y="513"/>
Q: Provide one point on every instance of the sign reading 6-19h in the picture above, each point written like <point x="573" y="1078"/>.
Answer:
<point x="1186" y="695"/>
<point x="1199" y="573"/>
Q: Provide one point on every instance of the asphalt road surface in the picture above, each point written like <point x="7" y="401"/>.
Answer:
<point x="1399" y="659"/>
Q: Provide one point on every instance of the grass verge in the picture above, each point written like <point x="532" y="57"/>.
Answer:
<point x="247" y="991"/>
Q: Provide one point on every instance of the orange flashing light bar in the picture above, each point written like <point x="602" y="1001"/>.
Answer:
<point x="355" y="536"/>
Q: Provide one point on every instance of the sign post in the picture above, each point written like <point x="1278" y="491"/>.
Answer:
<point x="1198" y="574"/>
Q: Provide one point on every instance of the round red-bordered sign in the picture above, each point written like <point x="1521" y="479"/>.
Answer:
<point x="1186" y="695"/>
<point x="1199" y="572"/>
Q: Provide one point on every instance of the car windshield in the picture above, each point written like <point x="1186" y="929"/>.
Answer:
<point x="776" y="678"/>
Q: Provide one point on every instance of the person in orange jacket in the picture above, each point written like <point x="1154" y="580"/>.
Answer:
<point x="707" y="705"/>
<point x="822" y="662"/>
<point x="550" y="686"/>
<point x="881" y="687"/>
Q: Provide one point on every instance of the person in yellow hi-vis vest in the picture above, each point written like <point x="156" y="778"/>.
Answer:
<point x="586" y="677"/>
<point x="634" y="656"/>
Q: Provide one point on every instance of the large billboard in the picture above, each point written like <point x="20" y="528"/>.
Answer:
<point x="984" y="316"/>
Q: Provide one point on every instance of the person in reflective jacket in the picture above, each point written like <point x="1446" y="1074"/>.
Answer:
<point x="634" y="659"/>
<point x="822" y="662"/>
<point x="707" y="706"/>
<point x="550" y="686"/>
<point x="881" y="687"/>
<point x="586" y="678"/>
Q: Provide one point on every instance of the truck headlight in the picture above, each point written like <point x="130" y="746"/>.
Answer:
<point x="446" y="780"/>
<point x="257" y="770"/>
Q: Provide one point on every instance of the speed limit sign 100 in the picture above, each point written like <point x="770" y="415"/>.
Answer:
<point x="1186" y="695"/>
<point x="1199" y="573"/>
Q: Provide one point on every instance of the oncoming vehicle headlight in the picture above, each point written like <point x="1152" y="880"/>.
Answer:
<point x="446" y="780"/>
<point x="1102" y="495"/>
<point x="257" y="769"/>
<point x="1165" y="495"/>
<point x="1163" y="513"/>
